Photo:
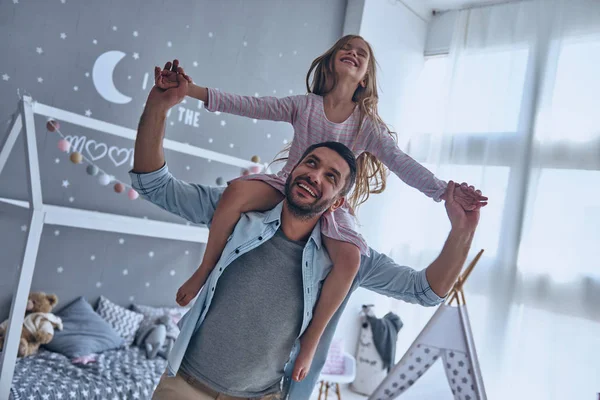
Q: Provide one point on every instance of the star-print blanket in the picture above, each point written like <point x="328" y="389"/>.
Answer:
<point x="117" y="374"/>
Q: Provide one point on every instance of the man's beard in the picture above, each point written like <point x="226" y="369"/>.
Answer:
<point x="304" y="211"/>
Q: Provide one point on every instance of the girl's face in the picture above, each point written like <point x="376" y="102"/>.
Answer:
<point x="353" y="59"/>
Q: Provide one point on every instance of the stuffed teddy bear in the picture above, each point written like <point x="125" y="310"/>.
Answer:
<point x="158" y="338"/>
<point x="38" y="325"/>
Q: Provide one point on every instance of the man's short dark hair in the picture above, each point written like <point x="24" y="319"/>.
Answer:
<point x="345" y="153"/>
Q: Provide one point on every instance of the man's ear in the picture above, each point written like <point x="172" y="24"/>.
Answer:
<point x="337" y="204"/>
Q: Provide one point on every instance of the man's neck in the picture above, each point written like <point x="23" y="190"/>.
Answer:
<point x="294" y="227"/>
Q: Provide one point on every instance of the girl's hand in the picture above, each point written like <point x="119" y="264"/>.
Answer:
<point x="469" y="198"/>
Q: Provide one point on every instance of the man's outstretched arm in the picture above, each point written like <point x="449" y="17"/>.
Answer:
<point x="150" y="175"/>
<point x="429" y="286"/>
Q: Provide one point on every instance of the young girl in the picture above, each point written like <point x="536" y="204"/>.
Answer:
<point x="341" y="105"/>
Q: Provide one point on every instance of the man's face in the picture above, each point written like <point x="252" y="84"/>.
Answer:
<point x="316" y="183"/>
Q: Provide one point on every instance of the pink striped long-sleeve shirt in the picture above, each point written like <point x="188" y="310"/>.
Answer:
<point x="307" y="115"/>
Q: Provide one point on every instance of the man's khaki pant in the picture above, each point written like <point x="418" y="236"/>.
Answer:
<point x="185" y="387"/>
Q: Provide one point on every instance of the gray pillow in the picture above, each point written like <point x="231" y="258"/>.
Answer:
<point x="84" y="332"/>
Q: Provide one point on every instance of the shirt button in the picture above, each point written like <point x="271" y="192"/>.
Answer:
<point x="237" y="251"/>
<point x="260" y="238"/>
<point x="213" y="289"/>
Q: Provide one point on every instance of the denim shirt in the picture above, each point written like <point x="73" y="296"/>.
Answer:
<point x="197" y="203"/>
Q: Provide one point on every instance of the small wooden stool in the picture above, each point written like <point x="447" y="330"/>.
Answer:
<point x="328" y="385"/>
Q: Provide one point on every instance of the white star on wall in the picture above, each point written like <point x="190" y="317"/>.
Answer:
<point x="75" y="88"/>
<point x="40" y="79"/>
<point x="285" y="141"/>
<point x="274" y="91"/>
<point x="63" y="1"/>
<point x="209" y="160"/>
<point x="210" y="34"/>
<point x="135" y="33"/>
<point x="92" y="257"/>
<point x="147" y="284"/>
<point x="39" y="50"/>
<point x="121" y="241"/>
<point x="114" y="28"/>
<point x="60" y="270"/>
<point x="151" y="254"/>
<point x="95" y="41"/>
<point x="231" y="145"/>
<point x="280" y="55"/>
<point x="125" y="272"/>
<point x="255" y="121"/>
<point x="5" y="77"/>
<point x="210" y="140"/>
<point x="172" y="123"/>
<point x="71" y="199"/>
<point x="98" y="284"/>
<point x="245" y="44"/>
<point x="184" y="101"/>
<point x="88" y="113"/>
<point x="15" y="1"/>
<point x="172" y="272"/>
<point x="294" y="52"/>
<point x="187" y="167"/>
<point x="87" y="74"/>
<point x="291" y="91"/>
<point x="187" y="252"/>
<point x="56" y="232"/>
<point x="223" y="123"/>
<point x="136" y="56"/>
<point x="63" y="35"/>
<point x="268" y="136"/>
<point x="23" y="228"/>
<point x="169" y="44"/>
<point x="255" y="94"/>
<point x="57" y="160"/>
<point x="129" y="77"/>
<point x="131" y="298"/>
<point x="217" y="112"/>
<point x="195" y="63"/>
<point x="65" y="183"/>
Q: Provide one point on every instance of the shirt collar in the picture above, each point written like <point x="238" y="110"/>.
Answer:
<point x="274" y="216"/>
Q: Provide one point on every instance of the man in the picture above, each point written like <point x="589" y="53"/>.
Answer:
<point x="240" y="339"/>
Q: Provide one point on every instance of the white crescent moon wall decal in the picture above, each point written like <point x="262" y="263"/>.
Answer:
<point x="102" y="75"/>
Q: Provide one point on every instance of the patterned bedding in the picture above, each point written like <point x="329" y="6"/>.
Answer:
<point x="117" y="374"/>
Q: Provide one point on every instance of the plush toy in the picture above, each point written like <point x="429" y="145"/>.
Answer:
<point x="158" y="338"/>
<point x="38" y="326"/>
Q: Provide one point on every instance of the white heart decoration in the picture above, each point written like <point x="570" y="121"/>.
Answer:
<point x="119" y="160"/>
<point x="94" y="154"/>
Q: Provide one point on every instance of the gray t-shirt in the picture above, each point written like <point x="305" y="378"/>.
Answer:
<point x="253" y="320"/>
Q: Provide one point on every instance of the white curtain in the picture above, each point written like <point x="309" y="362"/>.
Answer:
<point x="514" y="109"/>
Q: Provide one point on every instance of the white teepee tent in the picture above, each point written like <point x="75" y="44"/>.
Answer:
<point x="448" y="336"/>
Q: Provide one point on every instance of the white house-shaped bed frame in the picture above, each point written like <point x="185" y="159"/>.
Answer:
<point x="67" y="216"/>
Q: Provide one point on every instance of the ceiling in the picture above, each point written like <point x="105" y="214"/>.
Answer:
<point x="423" y="8"/>
<point x="455" y="4"/>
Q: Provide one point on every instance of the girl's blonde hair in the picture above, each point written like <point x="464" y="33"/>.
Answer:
<point x="371" y="174"/>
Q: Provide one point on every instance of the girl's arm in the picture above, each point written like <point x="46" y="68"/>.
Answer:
<point x="269" y="108"/>
<point x="385" y="148"/>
